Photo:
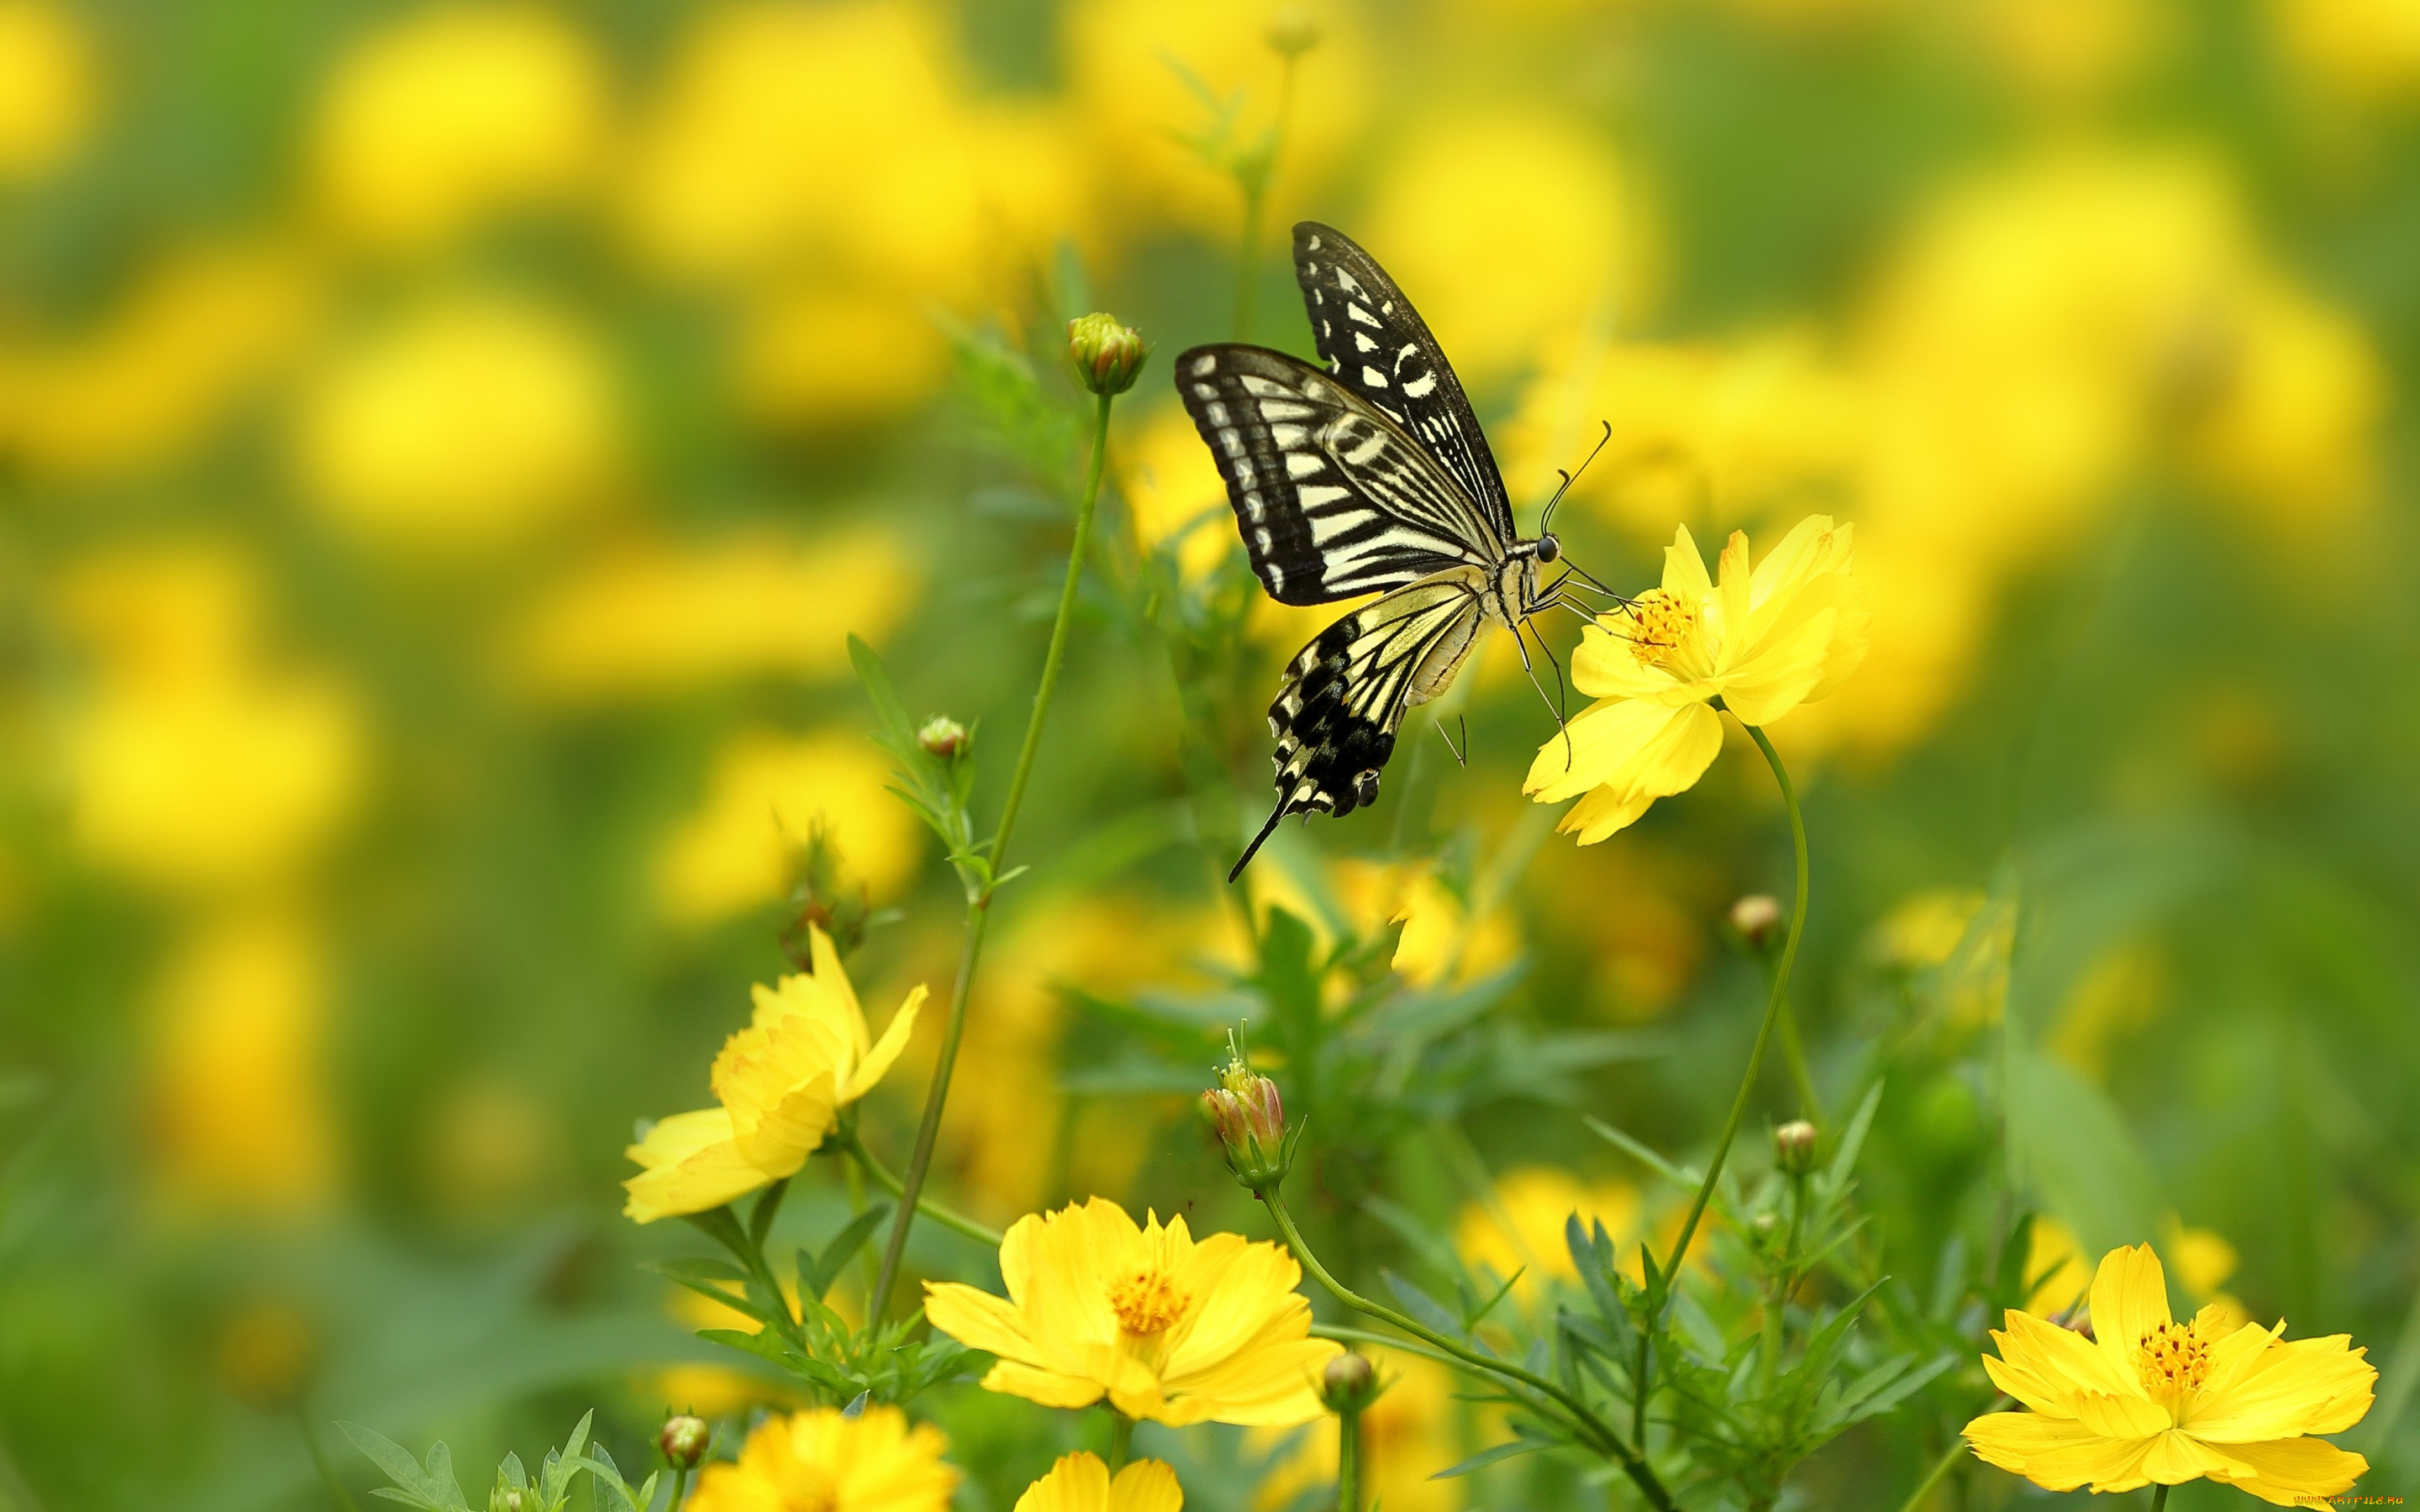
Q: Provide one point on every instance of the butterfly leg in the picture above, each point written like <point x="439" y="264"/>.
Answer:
<point x="1529" y="667"/>
<point x="1260" y="839"/>
<point x="1461" y="757"/>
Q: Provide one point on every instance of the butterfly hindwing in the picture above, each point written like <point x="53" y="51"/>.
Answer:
<point x="1333" y="499"/>
<point x="1378" y="345"/>
<point x="1336" y="714"/>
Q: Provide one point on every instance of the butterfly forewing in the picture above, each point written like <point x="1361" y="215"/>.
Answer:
<point x="1333" y="499"/>
<point x="1378" y="345"/>
<point x="1345" y="694"/>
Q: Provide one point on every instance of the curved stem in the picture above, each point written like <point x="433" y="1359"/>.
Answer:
<point x="336" y="1492"/>
<point x="925" y="1207"/>
<point x="1765" y="1030"/>
<point x="1121" y="1440"/>
<point x="1591" y="1428"/>
<point x="1385" y="1341"/>
<point x="936" y="1095"/>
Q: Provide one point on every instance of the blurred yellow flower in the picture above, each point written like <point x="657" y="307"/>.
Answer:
<point x="646" y="620"/>
<point x="827" y="1460"/>
<point x="2055" y="1263"/>
<point x="2150" y="1401"/>
<point x="1468" y="183"/>
<point x="1522" y="1230"/>
<point x="192" y="763"/>
<point x="1173" y="492"/>
<point x="2069" y="50"/>
<point x="765" y="791"/>
<point x="237" y="1111"/>
<point x="453" y="112"/>
<point x="2118" y="995"/>
<point x="1698" y="430"/>
<point x="806" y="1053"/>
<point x="1080" y="1483"/>
<point x="1922" y="928"/>
<point x="1121" y="60"/>
<point x="2288" y="427"/>
<point x="47" y="88"/>
<point x="493" y="1148"/>
<point x="1165" y="1329"/>
<point x="472" y="423"/>
<point x="2369" y="47"/>
<point x="267" y="1356"/>
<point x="197" y="334"/>
<point x="1762" y="642"/>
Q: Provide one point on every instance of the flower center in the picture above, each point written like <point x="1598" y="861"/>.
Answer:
<point x="2171" y="1358"/>
<point x="1146" y="1302"/>
<point x="1659" y="622"/>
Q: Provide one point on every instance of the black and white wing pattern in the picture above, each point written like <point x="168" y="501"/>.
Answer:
<point x="1345" y="694"/>
<point x="1378" y="345"/>
<point x="1334" y="499"/>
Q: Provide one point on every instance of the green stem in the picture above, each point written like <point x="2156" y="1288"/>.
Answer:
<point x="1765" y="1030"/>
<point x="936" y="1095"/>
<point x="1934" y="1477"/>
<point x="1256" y="182"/>
<point x="2159" y="1499"/>
<point x="336" y="1492"/>
<point x="680" y="1486"/>
<point x="1121" y="1440"/>
<point x="1591" y="1429"/>
<point x="1388" y="1341"/>
<point x="1348" y="1461"/>
<point x="1793" y="1051"/>
<point x="865" y="1159"/>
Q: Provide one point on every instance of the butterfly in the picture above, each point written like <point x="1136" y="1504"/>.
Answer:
<point x="1368" y="476"/>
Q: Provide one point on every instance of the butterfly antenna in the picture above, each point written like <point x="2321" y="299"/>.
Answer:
<point x="1255" y="848"/>
<point x="1574" y="476"/>
<point x="1461" y="757"/>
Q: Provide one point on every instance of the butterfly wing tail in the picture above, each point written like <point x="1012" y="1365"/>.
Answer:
<point x="1255" y="848"/>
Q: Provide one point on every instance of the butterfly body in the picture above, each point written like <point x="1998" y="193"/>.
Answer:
<point x="1368" y="476"/>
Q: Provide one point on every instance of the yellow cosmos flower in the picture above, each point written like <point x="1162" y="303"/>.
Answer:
<point x="781" y="1082"/>
<point x="2148" y="1400"/>
<point x="1080" y="1483"/>
<point x="827" y="1462"/>
<point x="1166" y="1329"/>
<point x="1762" y="642"/>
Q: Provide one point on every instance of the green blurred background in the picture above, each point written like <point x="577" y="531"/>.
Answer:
<point x="443" y="449"/>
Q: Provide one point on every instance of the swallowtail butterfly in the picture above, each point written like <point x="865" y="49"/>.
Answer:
<point x="1369" y="477"/>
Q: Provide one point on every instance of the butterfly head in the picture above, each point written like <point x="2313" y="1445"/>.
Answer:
<point x="1550" y="548"/>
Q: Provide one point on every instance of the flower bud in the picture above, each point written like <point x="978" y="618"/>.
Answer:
<point x="1107" y="355"/>
<point x="944" y="738"/>
<point x="1348" y="1384"/>
<point x="267" y="1356"/>
<point x="506" y="1499"/>
<point x="1293" y="31"/>
<point x="683" y="1440"/>
<point x="1793" y="1147"/>
<point x="1757" y="917"/>
<point x="1251" y="1119"/>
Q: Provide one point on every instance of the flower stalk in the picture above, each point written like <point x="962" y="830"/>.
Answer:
<point x="1589" y="1429"/>
<point x="1106" y="363"/>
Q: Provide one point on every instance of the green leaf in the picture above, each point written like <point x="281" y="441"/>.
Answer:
<point x="383" y="1452"/>
<point x="1685" y="1180"/>
<point x="2070" y="1147"/>
<point x="816" y="1274"/>
<point x="1485" y="1457"/>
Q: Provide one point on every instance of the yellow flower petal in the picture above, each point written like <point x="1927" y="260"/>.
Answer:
<point x="692" y="1164"/>
<point x="2297" y="1471"/>
<point x="1685" y="568"/>
<point x="1146" y="1486"/>
<point x="2129" y="1298"/>
<point x="2129" y="1416"/>
<point x="877" y="1060"/>
<point x="2305" y="1387"/>
<point x="1625" y="756"/>
<point x="2064" y="1361"/>
<point x="2022" y="1441"/>
<point x="778" y="1082"/>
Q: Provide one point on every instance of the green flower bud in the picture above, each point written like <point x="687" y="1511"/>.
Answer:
<point x="1249" y="1117"/>
<point x="1107" y="355"/>
<point x="1349" y="1384"/>
<point x="683" y="1440"/>
<point x="1756" y="918"/>
<point x="1293" y="32"/>
<point x="1793" y="1147"/>
<point x="944" y="738"/>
